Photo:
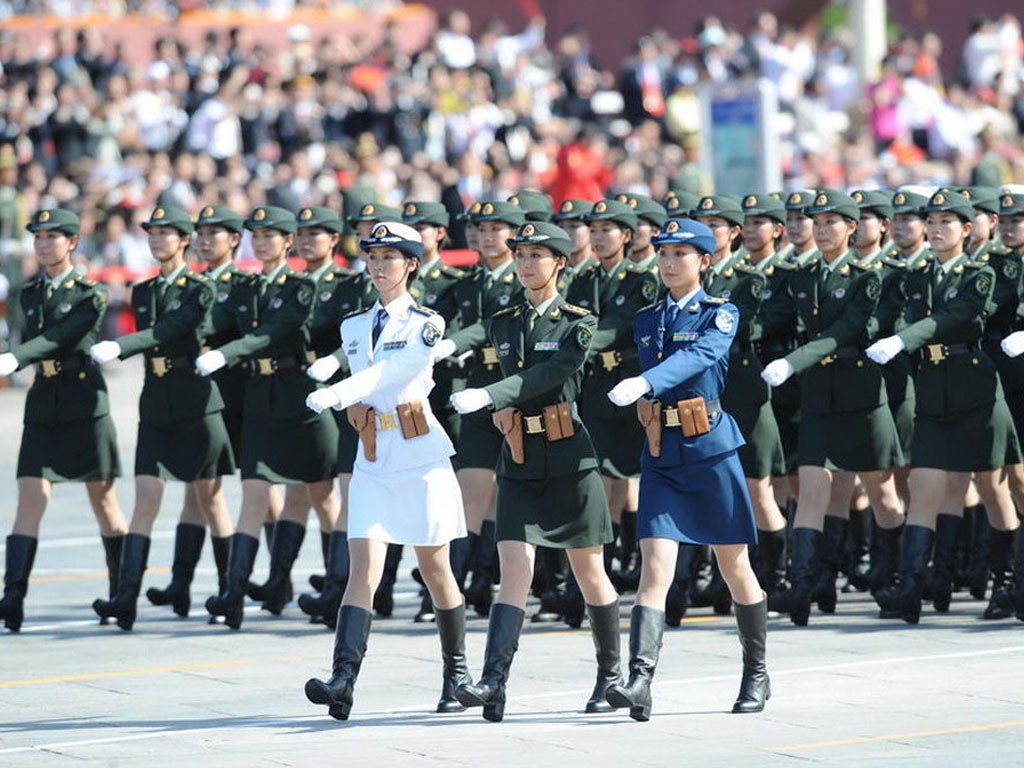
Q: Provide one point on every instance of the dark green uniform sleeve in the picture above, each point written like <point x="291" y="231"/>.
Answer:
<point x="172" y="324"/>
<point x="470" y="337"/>
<point x="538" y="379"/>
<point x="60" y="339"/>
<point x="292" y="314"/>
<point x="970" y="305"/>
<point x="847" y="329"/>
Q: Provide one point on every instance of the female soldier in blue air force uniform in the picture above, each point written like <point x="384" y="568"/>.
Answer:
<point x="692" y="487"/>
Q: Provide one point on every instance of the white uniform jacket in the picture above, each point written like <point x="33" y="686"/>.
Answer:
<point x="398" y="369"/>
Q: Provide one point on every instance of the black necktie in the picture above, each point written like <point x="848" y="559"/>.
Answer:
<point x="378" y="325"/>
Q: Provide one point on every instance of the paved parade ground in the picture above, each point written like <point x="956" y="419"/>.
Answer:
<point x="847" y="690"/>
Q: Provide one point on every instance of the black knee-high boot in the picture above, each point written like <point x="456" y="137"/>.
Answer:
<point x="604" y="628"/>
<point x="123" y="608"/>
<point x="324" y="607"/>
<point x="833" y="555"/>
<point x="549" y="564"/>
<point x="773" y="560"/>
<point x="858" y="549"/>
<point x="19" y="555"/>
<point x="112" y="546"/>
<point x="755" y="687"/>
<point x="678" y="599"/>
<point x="627" y="578"/>
<point x="350" y="639"/>
<point x="981" y="535"/>
<point x="1000" y="563"/>
<point x="451" y="629"/>
<point x="188" y="547"/>
<point x="276" y="591"/>
<point x="573" y="607"/>
<point x="796" y="601"/>
<point x="646" y="628"/>
<point x="947" y="538"/>
<point x="503" y="628"/>
<point x="904" y="599"/>
<point x="221" y="556"/>
<point x="485" y="566"/>
<point x="384" y="597"/>
<point x="1018" y="572"/>
<point x="231" y="602"/>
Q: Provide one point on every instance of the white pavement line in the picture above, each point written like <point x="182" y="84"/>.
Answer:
<point x="427" y="707"/>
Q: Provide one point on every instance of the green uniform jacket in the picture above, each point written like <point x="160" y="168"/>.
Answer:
<point x="743" y="286"/>
<point x="898" y="372"/>
<point x="615" y="301"/>
<point x="275" y="326"/>
<point x="170" y="331"/>
<point x="63" y="328"/>
<point x="1003" y="316"/>
<point x="432" y="288"/>
<point x="952" y="312"/>
<point x="837" y="310"/>
<point x="542" y="368"/>
<point x="222" y="327"/>
<point x="477" y="304"/>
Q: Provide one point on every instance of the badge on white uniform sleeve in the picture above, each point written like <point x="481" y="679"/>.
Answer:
<point x="430" y="334"/>
<point x="724" y="321"/>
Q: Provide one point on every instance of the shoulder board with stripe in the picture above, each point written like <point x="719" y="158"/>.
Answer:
<point x="355" y="312"/>
<point x="715" y="300"/>
<point x="572" y="309"/>
<point x="505" y="311"/>
<point x="895" y="263"/>
<point x="422" y="310"/>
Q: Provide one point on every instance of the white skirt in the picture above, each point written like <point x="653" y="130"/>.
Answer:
<point x="418" y="507"/>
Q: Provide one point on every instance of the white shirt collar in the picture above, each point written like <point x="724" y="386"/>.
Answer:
<point x="541" y="308"/>
<point x="398" y="307"/>
<point x="685" y="300"/>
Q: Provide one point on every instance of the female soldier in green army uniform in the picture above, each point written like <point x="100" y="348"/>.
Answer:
<point x="69" y="435"/>
<point x="181" y="432"/>
<point x="318" y="235"/>
<point x="650" y="217"/>
<point x="481" y="293"/>
<point x="218" y="235"/>
<point x="845" y="423"/>
<point x="282" y="442"/>
<point x="550" y="493"/>
<point x="963" y="424"/>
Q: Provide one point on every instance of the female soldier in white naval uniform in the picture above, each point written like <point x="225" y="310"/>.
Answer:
<point x="403" y="488"/>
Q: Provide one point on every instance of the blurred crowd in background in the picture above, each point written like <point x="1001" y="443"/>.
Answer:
<point x="476" y="113"/>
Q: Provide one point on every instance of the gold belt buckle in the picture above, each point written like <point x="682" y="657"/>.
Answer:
<point x="533" y="425"/>
<point x="159" y="366"/>
<point x="609" y="360"/>
<point x="672" y="417"/>
<point x="385" y="421"/>
<point x="265" y="366"/>
<point x="936" y="353"/>
<point x="828" y="360"/>
<point x="489" y="355"/>
<point x="50" y="368"/>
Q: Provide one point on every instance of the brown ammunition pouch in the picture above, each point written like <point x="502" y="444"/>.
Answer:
<point x="412" y="419"/>
<point x="691" y="416"/>
<point x="649" y="414"/>
<point x="558" y="422"/>
<point x="363" y="419"/>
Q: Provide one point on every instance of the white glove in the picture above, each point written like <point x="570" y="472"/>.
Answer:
<point x="444" y="348"/>
<point x="208" y="362"/>
<point x="105" y="351"/>
<point x="323" y="368"/>
<point x="777" y="371"/>
<point x="8" y="364"/>
<point x="322" y="399"/>
<point x="884" y="350"/>
<point x="469" y="400"/>
<point x="1012" y="345"/>
<point x="629" y="390"/>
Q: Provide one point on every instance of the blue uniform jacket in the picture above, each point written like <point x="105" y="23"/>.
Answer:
<point x="689" y="359"/>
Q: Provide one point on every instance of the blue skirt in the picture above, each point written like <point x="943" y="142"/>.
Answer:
<point x="702" y="502"/>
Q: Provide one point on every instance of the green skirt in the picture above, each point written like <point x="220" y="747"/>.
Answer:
<point x="561" y="512"/>
<point x="903" y="416"/>
<point x="289" y="451"/>
<point x="348" y="445"/>
<point x="479" y="443"/>
<point x="619" y="442"/>
<point x="860" y="441"/>
<point x="977" y="441"/>
<point x="762" y="456"/>
<point x="192" y="450"/>
<point x="787" y="420"/>
<point x="81" y="451"/>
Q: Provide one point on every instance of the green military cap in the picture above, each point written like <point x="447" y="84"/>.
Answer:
<point x="375" y="212"/>
<point x="833" y="201"/>
<point x="874" y="201"/>
<point x="470" y="213"/>
<point x="764" y="205"/>
<point x="798" y="201"/>
<point x="542" y="233"/>
<point x="416" y="212"/>
<point x="1011" y="204"/>
<point x="221" y="216"/>
<point x="982" y="198"/>
<point x="613" y="210"/>
<point x="571" y="210"/>
<point x="909" y="202"/>
<point x="646" y="208"/>
<point x="685" y="201"/>
<point x="536" y="205"/>
<point x="946" y="200"/>
<point x="170" y="216"/>
<point x="271" y="217"/>
<point x="50" y="219"/>
<point x="724" y="206"/>
<point x="498" y="210"/>
<point x="319" y="216"/>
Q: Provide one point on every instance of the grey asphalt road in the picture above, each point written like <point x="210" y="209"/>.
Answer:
<point x="848" y="690"/>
